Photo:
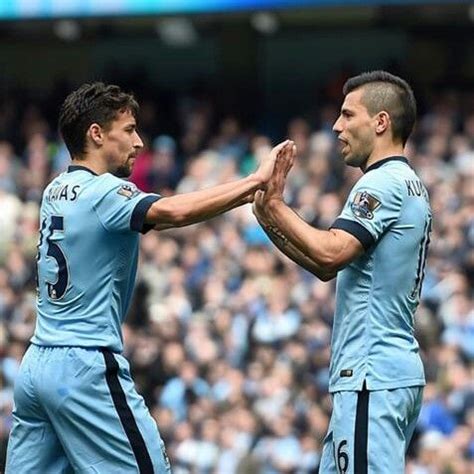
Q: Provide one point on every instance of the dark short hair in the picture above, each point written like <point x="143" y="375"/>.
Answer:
<point x="91" y="103"/>
<point x="384" y="91"/>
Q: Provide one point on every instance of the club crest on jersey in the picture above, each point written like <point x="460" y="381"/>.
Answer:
<point x="364" y="205"/>
<point x="128" y="191"/>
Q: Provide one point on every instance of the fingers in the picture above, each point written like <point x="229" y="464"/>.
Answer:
<point x="285" y="158"/>
<point x="293" y="153"/>
<point x="266" y="166"/>
<point x="291" y="160"/>
<point x="281" y="146"/>
<point x="282" y="157"/>
<point x="284" y="151"/>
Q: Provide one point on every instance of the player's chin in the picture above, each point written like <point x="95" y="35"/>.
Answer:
<point x="348" y="158"/>
<point x="123" y="171"/>
<point x="351" y="160"/>
<point x="345" y="154"/>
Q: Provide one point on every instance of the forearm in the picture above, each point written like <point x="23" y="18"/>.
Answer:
<point x="203" y="217"/>
<point x="326" y="249"/>
<point x="286" y="247"/>
<point x="184" y="209"/>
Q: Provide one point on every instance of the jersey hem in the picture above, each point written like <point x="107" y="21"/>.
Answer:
<point x="371" y="386"/>
<point x="111" y="348"/>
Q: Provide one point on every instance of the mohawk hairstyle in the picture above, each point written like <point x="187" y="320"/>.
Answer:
<point x="385" y="91"/>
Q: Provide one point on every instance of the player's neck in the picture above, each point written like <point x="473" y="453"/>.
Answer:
<point x="97" y="166"/>
<point x="382" y="152"/>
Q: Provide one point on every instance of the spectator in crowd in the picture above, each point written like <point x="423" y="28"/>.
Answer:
<point x="228" y="340"/>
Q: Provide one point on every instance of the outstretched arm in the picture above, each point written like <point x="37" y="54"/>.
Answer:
<point x="323" y="253"/>
<point x="185" y="209"/>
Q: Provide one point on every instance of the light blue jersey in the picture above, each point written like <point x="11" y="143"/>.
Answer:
<point x="373" y="339"/>
<point x="75" y="405"/>
<point x="87" y="258"/>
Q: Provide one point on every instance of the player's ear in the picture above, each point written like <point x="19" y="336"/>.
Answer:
<point x="95" y="133"/>
<point x="382" y="122"/>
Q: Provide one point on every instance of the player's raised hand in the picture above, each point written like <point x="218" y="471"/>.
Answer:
<point x="265" y="170"/>
<point x="284" y="162"/>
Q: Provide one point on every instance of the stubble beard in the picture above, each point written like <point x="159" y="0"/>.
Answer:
<point x="124" y="171"/>
<point x="356" y="160"/>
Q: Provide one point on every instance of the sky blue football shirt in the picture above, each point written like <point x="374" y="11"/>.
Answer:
<point x="87" y="258"/>
<point x="388" y="211"/>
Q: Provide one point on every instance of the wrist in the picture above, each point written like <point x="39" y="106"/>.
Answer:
<point x="274" y="201"/>
<point x="272" y="206"/>
<point x="258" y="181"/>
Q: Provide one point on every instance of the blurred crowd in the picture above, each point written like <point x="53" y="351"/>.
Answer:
<point x="229" y="341"/>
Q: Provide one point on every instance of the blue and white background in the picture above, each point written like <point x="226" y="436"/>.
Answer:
<point x="16" y="9"/>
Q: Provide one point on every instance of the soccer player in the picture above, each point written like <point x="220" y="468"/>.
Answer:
<point x="76" y="408"/>
<point x="377" y="248"/>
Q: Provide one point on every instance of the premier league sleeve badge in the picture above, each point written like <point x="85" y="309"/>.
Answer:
<point x="364" y="205"/>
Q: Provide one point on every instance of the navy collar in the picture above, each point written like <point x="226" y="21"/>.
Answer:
<point x="378" y="164"/>
<point x="80" y="168"/>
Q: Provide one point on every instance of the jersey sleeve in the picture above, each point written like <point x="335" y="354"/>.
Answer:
<point x="373" y="204"/>
<point x="121" y="206"/>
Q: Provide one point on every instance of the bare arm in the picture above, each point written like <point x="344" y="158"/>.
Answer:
<point x="185" y="209"/>
<point x="323" y="253"/>
<point x="285" y="246"/>
<point x="328" y="250"/>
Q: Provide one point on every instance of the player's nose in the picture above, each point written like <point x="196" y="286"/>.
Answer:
<point x="138" y="143"/>
<point x="337" y="127"/>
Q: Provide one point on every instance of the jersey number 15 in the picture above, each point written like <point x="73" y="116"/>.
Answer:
<point x="57" y="289"/>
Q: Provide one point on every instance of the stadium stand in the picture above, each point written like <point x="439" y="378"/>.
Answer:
<point x="229" y="340"/>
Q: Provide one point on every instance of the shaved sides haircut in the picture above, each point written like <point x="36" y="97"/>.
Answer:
<point x="383" y="91"/>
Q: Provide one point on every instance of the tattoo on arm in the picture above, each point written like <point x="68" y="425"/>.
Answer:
<point x="274" y="232"/>
<point x="285" y="246"/>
